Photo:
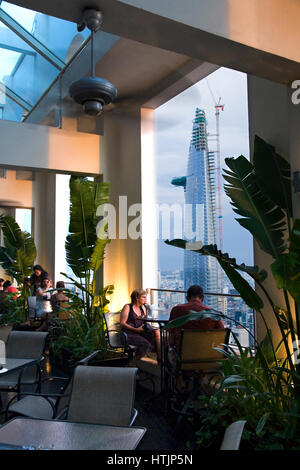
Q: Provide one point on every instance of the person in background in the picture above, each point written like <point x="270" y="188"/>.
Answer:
<point x="58" y="297"/>
<point x="1" y="284"/>
<point x="195" y="299"/>
<point x="43" y="299"/>
<point x="9" y="288"/>
<point x="37" y="278"/>
<point x="140" y="334"/>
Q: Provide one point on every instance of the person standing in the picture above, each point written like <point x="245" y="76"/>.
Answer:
<point x="37" y="277"/>
<point x="43" y="299"/>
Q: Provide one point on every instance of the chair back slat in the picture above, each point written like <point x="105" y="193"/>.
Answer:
<point x="198" y="351"/>
<point x="102" y="395"/>
<point x="113" y="327"/>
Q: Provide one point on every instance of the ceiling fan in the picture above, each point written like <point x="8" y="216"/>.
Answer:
<point x="92" y="92"/>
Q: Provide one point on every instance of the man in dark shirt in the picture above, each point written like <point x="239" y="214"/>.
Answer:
<point x="194" y="302"/>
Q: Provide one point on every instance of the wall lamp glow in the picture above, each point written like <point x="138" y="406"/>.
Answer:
<point x="296" y="181"/>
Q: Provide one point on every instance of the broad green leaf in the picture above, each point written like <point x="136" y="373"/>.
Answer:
<point x="212" y="250"/>
<point x="249" y="295"/>
<point x="207" y="313"/>
<point x="261" y="423"/>
<point x="84" y="251"/>
<point x="260" y="215"/>
<point x="18" y="255"/>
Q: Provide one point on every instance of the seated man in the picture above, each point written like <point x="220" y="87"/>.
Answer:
<point x="58" y="297"/>
<point x="194" y="302"/>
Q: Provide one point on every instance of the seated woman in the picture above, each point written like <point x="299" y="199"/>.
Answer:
<point x="43" y="296"/>
<point x="140" y="334"/>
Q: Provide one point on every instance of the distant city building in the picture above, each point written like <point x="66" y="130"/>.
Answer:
<point x="200" y="211"/>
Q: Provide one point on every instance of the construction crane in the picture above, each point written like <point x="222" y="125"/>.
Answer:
<point x="218" y="107"/>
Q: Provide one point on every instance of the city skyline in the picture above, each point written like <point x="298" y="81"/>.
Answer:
<point x="173" y="133"/>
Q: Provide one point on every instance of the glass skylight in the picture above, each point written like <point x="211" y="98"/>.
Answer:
<point x="34" y="49"/>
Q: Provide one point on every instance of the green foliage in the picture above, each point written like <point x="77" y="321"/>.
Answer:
<point x="80" y="336"/>
<point x="261" y="395"/>
<point x="85" y="248"/>
<point x="19" y="252"/>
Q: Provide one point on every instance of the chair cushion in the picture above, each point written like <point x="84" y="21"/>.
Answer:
<point x="33" y="407"/>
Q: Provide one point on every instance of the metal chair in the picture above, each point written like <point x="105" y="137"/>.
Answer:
<point x="102" y="395"/>
<point x="232" y="436"/>
<point x="25" y="345"/>
<point x="31" y="303"/>
<point x="117" y="339"/>
<point x="45" y="405"/>
<point x="197" y="357"/>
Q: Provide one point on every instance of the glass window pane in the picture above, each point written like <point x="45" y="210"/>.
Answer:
<point x="24" y="219"/>
<point x="60" y="36"/>
<point x="9" y="110"/>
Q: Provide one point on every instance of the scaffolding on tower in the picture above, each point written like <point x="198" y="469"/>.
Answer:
<point x="218" y="107"/>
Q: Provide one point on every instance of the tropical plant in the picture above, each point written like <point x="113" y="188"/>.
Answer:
<point x="17" y="259"/>
<point x="260" y="194"/>
<point x="78" y="336"/>
<point x="85" y="247"/>
<point x="87" y="239"/>
<point x="19" y="252"/>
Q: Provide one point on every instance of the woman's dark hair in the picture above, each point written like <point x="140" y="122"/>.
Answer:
<point x="136" y="294"/>
<point x="6" y="284"/>
<point x="38" y="267"/>
<point x="60" y="285"/>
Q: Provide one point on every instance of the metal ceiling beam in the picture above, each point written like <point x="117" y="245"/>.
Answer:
<point x="15" y="97"/>
<point x="31" y="40"/>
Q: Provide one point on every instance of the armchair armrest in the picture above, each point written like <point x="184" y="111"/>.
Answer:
<point x="87" y="359"/>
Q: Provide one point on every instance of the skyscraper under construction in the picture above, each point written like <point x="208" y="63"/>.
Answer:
<point x="200" y="210"/>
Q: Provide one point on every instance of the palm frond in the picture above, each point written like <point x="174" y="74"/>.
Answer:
<point x="260" y="215"/>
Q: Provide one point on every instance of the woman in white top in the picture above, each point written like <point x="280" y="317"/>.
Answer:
<point x="43" y="296"/>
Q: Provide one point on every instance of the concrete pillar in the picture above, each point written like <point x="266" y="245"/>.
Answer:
<point x="273" y="117"/>
<point x="127" y="153"/>
<point x="44" y="220"/>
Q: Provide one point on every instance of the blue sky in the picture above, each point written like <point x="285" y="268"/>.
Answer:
<point x="173" y="132"/>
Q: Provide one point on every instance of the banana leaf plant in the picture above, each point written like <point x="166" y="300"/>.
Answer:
<point x="261" y="196"/>
<point x="17" y="258"/>
<point x="86" y="242"/>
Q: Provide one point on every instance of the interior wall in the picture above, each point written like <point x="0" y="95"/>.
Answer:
<point x="273" y="117"/>
<point x="268" y="25"/>
<point x="47" y="148"/>
<point x="13" y="192"/>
